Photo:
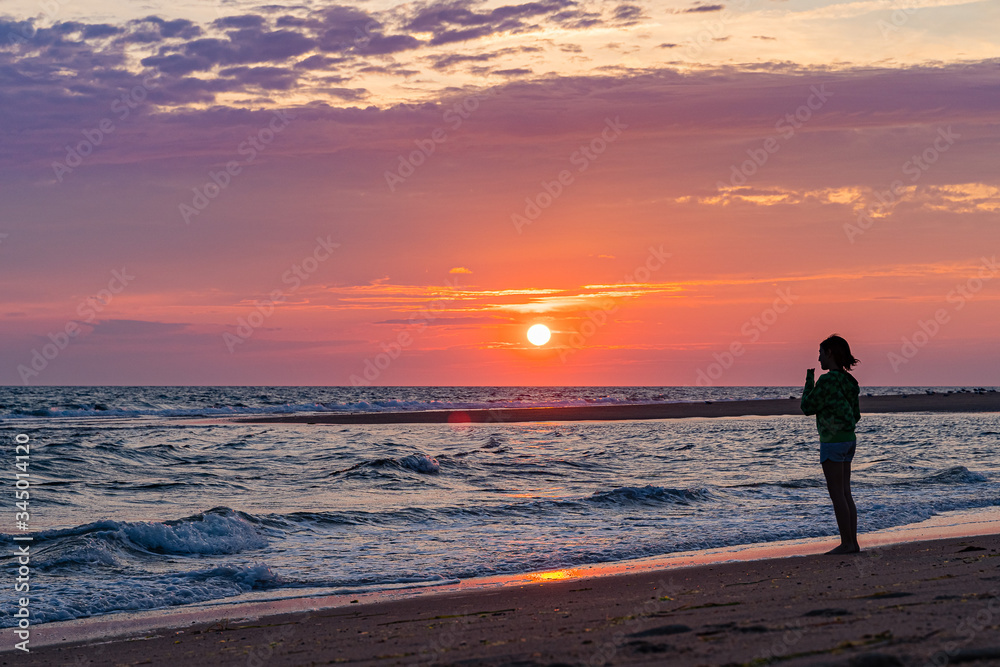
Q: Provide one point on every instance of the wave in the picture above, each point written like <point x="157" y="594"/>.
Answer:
<point x="94" y="597"/>
<point x="215" y="532"/>
<point x="420" y="463"/>
<point x="135" y="555"/>
<point x="801" y="483"/>
<point x="649" y="494"/>
<point x="953" y="475"/>
<point x="189" y="560"/>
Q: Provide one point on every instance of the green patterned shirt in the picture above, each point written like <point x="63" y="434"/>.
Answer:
<point x="834" y="401"/>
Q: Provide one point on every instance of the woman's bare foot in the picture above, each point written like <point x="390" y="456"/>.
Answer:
<point x="844" y="549"/>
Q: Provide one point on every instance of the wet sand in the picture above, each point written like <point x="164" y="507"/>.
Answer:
<point x="904" y="604"/>
<point x="962" y="402"/>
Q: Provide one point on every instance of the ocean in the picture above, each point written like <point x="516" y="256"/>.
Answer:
<point x="140" y="500"/>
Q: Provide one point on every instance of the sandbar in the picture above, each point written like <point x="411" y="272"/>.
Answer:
<point x="938" y="402"/>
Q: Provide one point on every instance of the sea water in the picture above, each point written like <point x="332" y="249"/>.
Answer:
<point x="140" y="498"/>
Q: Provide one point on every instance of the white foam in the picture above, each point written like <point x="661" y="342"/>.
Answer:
<point x="94" y="597"/>
<point x="214" y="534"/>
<point x="421" y="463"/>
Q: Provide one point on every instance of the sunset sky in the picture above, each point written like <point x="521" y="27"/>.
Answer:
<point x="683" y="192"/>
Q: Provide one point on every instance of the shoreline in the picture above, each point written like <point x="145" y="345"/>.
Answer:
<point x="956" y="402"/>
<point x="127" y="634"/>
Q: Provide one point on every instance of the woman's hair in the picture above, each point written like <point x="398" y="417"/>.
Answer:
<point x="840" y="350"/>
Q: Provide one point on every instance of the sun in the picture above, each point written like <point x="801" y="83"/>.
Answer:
<point x="539" y="334"/>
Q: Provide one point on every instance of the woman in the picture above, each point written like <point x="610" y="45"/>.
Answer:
<point x="834" y="401"/>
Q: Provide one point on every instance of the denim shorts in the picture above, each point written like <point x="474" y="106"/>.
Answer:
<point x="839" y="452"/>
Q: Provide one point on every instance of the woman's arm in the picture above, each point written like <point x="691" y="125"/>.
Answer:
<point x="810" y="394"/>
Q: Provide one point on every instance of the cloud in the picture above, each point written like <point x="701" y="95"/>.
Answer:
<point x="42" y="109"/>
<point x="181" y="48"/>
<point x="386" y="44"/>
<point x="858" y="198"/>
<point x="176" y="64"/>
<point x="154" y="29"/>
<point x="959" y="198"/>
<point x="136" y="328"/>
<point x="252" y="21"/>
<point x="349" y="30"/>
<point x="449" y="60"/>
<point x="319" y="62"/>
<point x="59" y="73"/>
<point x="628" y="15"/>
<point x="447" y="321"/>
<point x="248" y="46"/>
<point x="13" y="33"/>
<point x="514" y="71"/>
<point x="577" y="19"/>
<point x="347" y="94"/>
<point x="704" y="8"/>
<point x="265" y="77"/>
<point x="458" y="20"/>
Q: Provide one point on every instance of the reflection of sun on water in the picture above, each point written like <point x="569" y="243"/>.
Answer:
<point x="539" y="334"/>
<point x="554" y="575"/>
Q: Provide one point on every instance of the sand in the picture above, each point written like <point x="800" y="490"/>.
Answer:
<point x="957" y="402"/>
<point x="920" y="603"/>
<point x="916" y="603"/>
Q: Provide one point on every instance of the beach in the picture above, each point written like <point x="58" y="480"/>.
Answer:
<point x="476" y="332"/>
<point x="937" y="402"/>
<point x="912" y="603"/>
<point x="164" y="532"/>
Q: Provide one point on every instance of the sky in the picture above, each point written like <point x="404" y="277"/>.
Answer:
<point x="385" y="193"/>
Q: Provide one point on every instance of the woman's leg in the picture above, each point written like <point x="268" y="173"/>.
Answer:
<point x="851" y="507"/>
<point x="838" y="484"/>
